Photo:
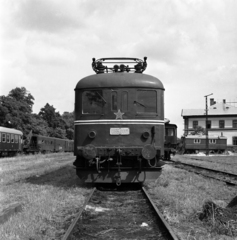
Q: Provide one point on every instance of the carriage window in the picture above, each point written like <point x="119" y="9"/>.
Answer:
<point x="0" y="137"/>
<point x="124" y="101"/>
<point x="146" y="101"/>
<point x="4" y="137"/>
<point x="19" y="139"/>
<point x="12" y="138"/>
<point x="197" y="141"/>
<point x="8" y="138"/>
<point x="16" y="139"/>
<point x="92" y="102"/>
<point x="212" y="141"/>
<point x="114" y="104"/>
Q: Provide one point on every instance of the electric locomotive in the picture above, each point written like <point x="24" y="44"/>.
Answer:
<point x="119" y="123"/>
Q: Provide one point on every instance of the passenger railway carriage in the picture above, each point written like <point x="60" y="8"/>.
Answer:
<point x="43" y="144"/>
<point x="10" y="141"/>
<point x="119" y="123"/>
<point x="197" y="143"/>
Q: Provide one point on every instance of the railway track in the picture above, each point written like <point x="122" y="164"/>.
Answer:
<point x="228" y="178"/>
<point x="119" y="215"/>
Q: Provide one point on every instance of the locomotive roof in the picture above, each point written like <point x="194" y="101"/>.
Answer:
<point x="10" y="130"/>
<point x="120" y="80"/>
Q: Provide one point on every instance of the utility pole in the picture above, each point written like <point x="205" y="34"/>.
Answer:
<point x="207" y="143"/>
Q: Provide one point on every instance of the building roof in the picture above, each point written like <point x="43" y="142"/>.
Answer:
<point x="216" y="109"/>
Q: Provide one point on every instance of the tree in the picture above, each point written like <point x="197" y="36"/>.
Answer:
<point x="57" y="125"/>
<point x="198" y="131"/>
<point x="69" y="120"/>
<point x="16" y="108"/>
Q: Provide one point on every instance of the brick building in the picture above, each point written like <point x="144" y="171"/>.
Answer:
<point x="222" y="120"/>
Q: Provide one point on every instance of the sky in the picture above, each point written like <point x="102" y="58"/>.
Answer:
<point x="47" y="46"/>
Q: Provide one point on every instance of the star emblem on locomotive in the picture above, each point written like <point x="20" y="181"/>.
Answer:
<point x="119" y="114"/>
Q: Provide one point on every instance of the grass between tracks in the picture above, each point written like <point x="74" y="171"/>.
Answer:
<point x="180" y="195"/>
<point x="48" y="190"/>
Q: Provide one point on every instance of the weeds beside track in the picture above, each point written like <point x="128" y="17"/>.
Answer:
<point x="228" y="178"/>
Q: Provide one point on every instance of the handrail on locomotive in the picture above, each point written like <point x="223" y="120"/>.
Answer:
<point x="99" y="67"/>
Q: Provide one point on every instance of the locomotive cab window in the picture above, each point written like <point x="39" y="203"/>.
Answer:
<point x="114" y="101"/>
<point x="93" y="102"/>
<point x="169" y="132"/>
<point x="146" y="101"/>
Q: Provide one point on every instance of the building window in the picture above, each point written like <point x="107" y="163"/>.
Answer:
<point x="197" y="140"/>
<point x="235" y="123"/>
<point x="212" y="141"/>
<point x="208" y="124"/>
<point x="195" y="124"/>
<point x="221" y="123"/>
<point x="234" y="140"/>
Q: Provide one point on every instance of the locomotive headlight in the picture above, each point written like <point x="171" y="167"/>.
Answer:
<point x="89" y="151"/>
<point x="92" y="134"/>
<point x="146" y="135"/>
<point x="148" y="152"/>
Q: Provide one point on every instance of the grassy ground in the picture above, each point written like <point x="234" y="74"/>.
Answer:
<point x="180" y="195"/>
<point x="49" y="191"/>
<point x="50" y="194"/>
<point x="223" y="163"/>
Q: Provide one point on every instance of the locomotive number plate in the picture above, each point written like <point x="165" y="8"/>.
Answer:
<point x="119" y="131"/>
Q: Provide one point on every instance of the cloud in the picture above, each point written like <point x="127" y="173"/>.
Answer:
<point x="45" y="16"/>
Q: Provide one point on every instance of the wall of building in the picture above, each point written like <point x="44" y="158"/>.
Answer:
<point x="228" y="131"/>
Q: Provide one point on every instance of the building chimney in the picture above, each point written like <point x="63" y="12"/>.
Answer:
<point x="212" y="101"/>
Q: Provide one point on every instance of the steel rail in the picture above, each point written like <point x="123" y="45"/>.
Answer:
<point x="210" y="170"/>
<point x="73" y="224"/>
<point x="164" y="222"/>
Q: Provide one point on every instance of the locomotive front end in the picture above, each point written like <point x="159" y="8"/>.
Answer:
<point x="119" y="124"/>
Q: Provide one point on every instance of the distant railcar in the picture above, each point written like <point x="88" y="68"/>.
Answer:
<point x="37" y="143"/>
<point x="170" y="139"/>
<point x="10" y="141"/>
<point x="197" y="143"/>
<point x="119" y="123"/>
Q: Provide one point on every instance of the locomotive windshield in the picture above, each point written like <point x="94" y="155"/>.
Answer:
<point x="92" y="102"/>
<point x="146" y="101"/>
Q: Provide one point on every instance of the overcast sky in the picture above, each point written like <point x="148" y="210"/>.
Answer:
<point x="47" y="46"/>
